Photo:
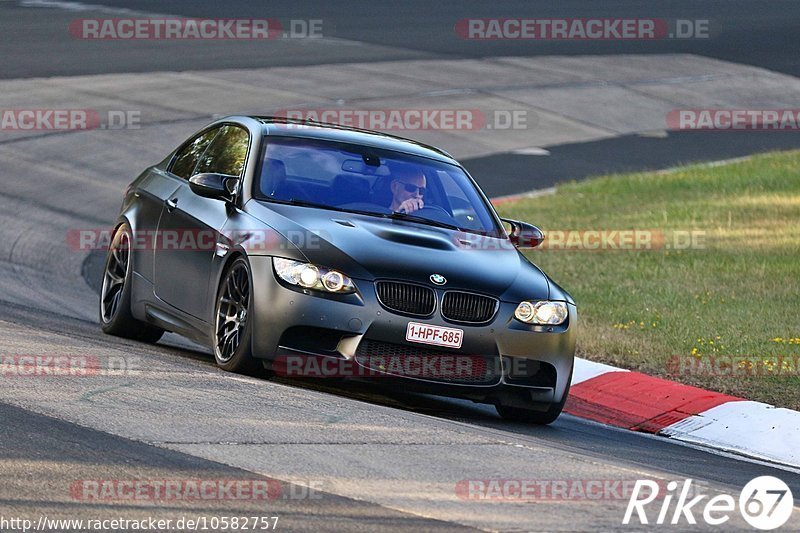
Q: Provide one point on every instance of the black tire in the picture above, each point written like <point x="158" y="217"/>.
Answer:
<point x="115" y="293"/>
<point x="232" y="320"/>
<point x="520" y="414"/>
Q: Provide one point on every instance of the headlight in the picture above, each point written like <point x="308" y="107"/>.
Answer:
<point x="543" y="313"/>
<point x="311" y="276"/>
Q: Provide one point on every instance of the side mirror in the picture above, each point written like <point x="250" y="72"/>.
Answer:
<point x="524" y="235"/>
<point x="216" y="186"/>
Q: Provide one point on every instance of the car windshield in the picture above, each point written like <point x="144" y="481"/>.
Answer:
<point x="377" y="182"/>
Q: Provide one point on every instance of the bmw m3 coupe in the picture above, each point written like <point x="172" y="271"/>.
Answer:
<point x="314" y="249"/>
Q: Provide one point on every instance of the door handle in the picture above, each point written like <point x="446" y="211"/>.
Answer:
<point x="171" y="204"/>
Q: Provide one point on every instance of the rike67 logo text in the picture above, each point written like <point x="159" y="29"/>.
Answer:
<point x="765" y="503"/>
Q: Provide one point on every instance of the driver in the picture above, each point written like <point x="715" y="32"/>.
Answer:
<point x="408" y="188"/>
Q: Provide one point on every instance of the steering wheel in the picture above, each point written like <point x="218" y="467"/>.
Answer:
<point x="434" y="212"/>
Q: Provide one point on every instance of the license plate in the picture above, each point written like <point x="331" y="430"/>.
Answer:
<point x="436" y="335"/>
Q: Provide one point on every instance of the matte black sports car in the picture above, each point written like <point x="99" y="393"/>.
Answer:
<point x="282" y="244"/>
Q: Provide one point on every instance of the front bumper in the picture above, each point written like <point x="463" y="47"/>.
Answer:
<point x="341" y="326"/>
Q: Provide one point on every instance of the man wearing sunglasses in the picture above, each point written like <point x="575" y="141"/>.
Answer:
<point x="408" y="188"/>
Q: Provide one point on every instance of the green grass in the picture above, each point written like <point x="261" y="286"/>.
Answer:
<point x="737" y="296"/>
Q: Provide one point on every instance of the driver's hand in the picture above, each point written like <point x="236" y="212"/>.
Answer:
<point x="411" y="205"/>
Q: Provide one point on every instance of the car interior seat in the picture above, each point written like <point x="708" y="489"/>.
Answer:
<point x="381" y="192"/>
<point x="275" y="183"/>
<point x="347" y="189"/>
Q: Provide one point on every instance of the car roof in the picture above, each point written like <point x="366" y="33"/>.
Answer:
<point x="334" y="132"/>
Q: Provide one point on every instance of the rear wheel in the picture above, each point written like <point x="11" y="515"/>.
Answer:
<point x="233" y="323"/>
<point x="520" y="414"/>
<point x="115" y="293"/>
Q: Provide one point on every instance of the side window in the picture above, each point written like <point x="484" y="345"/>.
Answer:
<point x="187" y="157"/>
<point x="227" y="152"/>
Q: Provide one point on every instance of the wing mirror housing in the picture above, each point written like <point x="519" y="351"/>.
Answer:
<point x="523" y="235"/>
<point x="216" y="186"/>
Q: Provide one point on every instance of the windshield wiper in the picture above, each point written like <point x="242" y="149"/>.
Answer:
<point x="306" y="203"/>
<point x="397" y="215"/>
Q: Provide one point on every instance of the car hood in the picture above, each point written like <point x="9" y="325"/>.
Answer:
<point x="369" y="248"/>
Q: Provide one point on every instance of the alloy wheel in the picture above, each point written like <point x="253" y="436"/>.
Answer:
<point x="232" y="311"/>
<point x="115" y="276"/>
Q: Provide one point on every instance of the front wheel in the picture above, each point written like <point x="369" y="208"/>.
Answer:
<point x="233" y="323"/>
<point x="115" y="293"/>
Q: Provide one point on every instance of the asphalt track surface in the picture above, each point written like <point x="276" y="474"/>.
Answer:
<point x="43" y="456"/>
<point x="180" y="417"/>
<point x="761" y="33"/>
<point x="629" y="153"/>
<point x="35" y="42"/>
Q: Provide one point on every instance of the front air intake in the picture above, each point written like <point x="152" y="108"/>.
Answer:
<point x="468" y="307"/>
<point x="406" y="298"/>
